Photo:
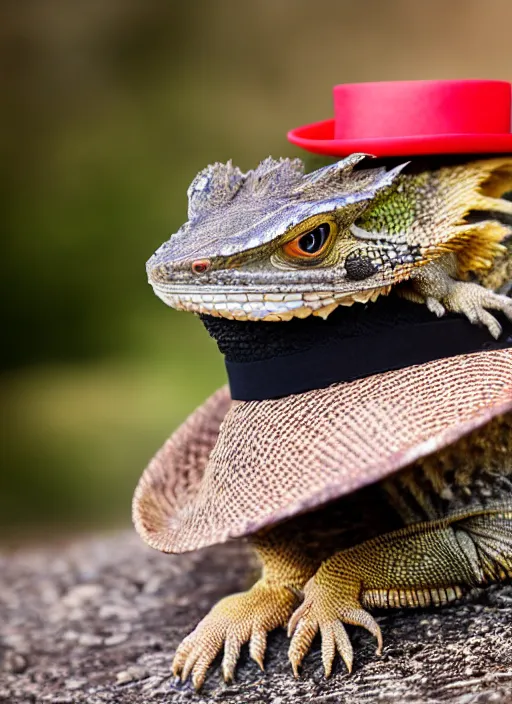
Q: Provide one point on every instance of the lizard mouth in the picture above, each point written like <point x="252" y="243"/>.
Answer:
<point x="271" y="307"/>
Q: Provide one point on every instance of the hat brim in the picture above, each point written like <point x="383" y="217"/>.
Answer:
<point x="234" y="468"/>
<point x="319" y="138"/>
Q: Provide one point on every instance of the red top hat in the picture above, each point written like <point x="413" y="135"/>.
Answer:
<point x="397" y="118"/>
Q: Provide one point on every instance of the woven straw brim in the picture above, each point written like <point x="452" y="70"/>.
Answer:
<point x="234" y="468"/>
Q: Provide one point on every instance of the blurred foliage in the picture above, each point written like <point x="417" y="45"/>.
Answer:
<point x="109" y="108"/>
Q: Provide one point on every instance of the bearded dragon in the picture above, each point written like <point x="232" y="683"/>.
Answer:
<point x="274" y="244"/>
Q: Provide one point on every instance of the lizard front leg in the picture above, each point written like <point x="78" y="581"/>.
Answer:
<point x="422" y="564"/>
<point x="248" y="617"/>
<point x="436" y="285"/>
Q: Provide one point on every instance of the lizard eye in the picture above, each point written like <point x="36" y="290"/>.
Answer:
<point x="309" y="244"/>
<point x="200" y="266"/>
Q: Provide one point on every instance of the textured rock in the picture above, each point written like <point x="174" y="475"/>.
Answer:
<point x="98" y="620"/>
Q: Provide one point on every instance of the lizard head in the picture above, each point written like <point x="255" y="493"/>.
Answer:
<point x="276" y="243"/>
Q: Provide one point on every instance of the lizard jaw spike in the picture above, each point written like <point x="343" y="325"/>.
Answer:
<point x="390" y="175"/>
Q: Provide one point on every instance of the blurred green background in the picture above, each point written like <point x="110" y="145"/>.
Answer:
<point x="108" y="109"/>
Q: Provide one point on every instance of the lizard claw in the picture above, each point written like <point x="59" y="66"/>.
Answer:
<point x="473" y="300"/>
<point x="325" y="610"/>
<point x="235" y="620"/>
<point x="441" y="292"/>
<point x="435" y="306"/>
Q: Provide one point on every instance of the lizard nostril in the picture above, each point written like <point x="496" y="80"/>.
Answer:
<point x="200" y="266"/>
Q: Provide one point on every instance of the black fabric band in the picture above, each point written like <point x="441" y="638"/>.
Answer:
<point x="358" y="357"/>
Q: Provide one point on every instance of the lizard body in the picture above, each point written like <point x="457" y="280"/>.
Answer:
<point x="274" y="244"/>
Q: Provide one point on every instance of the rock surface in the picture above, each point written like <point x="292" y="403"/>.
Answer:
<point x="98" y="620"/>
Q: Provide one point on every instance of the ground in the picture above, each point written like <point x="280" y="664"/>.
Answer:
<point x="98" y="620"/>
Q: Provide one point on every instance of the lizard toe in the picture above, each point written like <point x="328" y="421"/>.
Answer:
<point x="328" y="648"/>
<point x="489" y="321"/>
<point x="189" y="664"/>
<point x="196" y="653"/>
<point x="343" y="645"/>
<point x="258" y="646"/>
<point x="357" y="616"/>
<point x="304" y="631"/>
<point x="232" y="648"/>
<point x="181" y="655"/>
<point x="498" y="301"/>
<point x="435" y="306"/>
<point x="200" y="669"/>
